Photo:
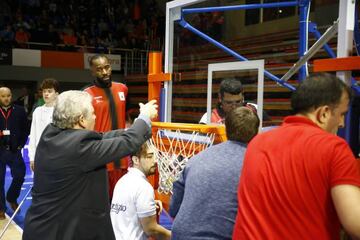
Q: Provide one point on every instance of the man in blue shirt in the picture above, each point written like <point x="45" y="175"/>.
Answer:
<point x="204" y="201"/>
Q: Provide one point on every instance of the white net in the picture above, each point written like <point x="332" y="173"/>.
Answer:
<point x="174" y="148"/>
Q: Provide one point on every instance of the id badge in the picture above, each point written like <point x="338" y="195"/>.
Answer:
<point x="6" y="132"/>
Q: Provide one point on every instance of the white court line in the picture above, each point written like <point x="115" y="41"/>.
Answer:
<point x="14" y="223"/>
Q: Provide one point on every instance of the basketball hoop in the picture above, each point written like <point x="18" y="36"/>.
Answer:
<point x="175" y="143"/>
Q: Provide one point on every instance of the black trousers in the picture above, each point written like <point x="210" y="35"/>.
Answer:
<point x="17" y="167"/>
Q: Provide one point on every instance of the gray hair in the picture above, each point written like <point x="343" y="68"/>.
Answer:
<point x="70" y="106"/>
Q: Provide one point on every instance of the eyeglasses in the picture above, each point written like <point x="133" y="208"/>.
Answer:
<point x="237" y="102"/>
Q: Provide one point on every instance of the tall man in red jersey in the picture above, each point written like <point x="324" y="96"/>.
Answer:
<point x="301" y="181"/>
<point x="109" y="101"/>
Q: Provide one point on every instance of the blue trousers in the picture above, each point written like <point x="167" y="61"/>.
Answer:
<point x="17" y="167"/>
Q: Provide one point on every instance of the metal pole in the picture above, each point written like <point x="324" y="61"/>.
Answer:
<point x="357" y="31"/>
<point x="231" y="52"/>
<point x="303" y="35"/>
<point x="168" y="66"/>
<point x="14" y="214"/>
<point x="240" y="7"/>
<point x="330" y="33"/>
<point x="327" y="48"/>
<point x="345" y="34"/>
<point x="344" y="49"/>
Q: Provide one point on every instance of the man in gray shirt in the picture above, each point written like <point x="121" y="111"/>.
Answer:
<point x="204" y="201"/>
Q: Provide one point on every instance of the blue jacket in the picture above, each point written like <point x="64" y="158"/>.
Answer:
<point x="17" y="124"/>
<point x="204" y="201"/>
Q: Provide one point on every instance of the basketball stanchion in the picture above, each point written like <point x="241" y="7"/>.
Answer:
<point x="14" y="214"/>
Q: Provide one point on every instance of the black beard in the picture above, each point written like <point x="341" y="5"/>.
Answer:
<point x="103" y="84"/>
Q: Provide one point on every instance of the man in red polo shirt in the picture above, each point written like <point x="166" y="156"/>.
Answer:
<point x="301" y="181"/>
<point x="109" y="102"/>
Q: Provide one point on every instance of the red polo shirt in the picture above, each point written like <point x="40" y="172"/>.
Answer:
<point x="284" y="190"/>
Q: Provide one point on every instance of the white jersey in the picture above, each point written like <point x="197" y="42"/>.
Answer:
<point x="133" y="199"/>
<point x="41" y="117"/>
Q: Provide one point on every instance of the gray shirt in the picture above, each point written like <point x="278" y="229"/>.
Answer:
<point x="204" y="201"/>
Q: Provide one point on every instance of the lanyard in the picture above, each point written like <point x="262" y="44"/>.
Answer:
<point x="6" y="116"/>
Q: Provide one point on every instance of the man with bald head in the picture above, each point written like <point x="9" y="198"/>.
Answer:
<point x="13" y="136"/>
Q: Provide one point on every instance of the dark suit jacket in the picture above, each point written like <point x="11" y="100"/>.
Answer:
<point x="16" y="123"/>
<point x="70" y="193"/>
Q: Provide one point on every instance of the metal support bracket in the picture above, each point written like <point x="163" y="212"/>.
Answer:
<point x="330" y="33"/>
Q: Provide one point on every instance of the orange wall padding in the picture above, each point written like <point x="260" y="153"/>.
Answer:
<point x="55" y="59"/>
<point x="337" y="64"/>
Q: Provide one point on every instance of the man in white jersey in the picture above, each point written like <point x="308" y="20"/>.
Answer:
<point x="42" y="115"/>
<point x="133" y="207"/>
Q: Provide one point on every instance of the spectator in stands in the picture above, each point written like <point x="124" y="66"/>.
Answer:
<point x="100" y="45"/>
<point x="110" y="41"/>
<point x="21" y="23"/>
<point x="7" y="36"/>
<point x="38" y="99"/>
<point x="42" y="115"/>
<point x="136" y="10"/>
<point x="69" y="39"/>
<point x="212" y="177"/>
<point x="52" y="35"/>
<point x="33" y="6"/>
<point x="230" y="96"/>
<point x="109" y="104"/>
<point x="44" y="19"/>
<point x="22" y="38"/>
<point x="130" y="27"/>
<point x="301" y="181"/>
<point x="69" y="196"/>
<point x="102" y="26"/>
<point x="124" y="42"/>
<point x="13" y="136"/>
<point x="35" y="19"/>
<point x="25" y="99"/>
<point x="83" y="40"/>
<point x="52" y="8"/>
<point x="5" y="13"/>
<point x="217" y="25"/>
<point x="133" y="208"/>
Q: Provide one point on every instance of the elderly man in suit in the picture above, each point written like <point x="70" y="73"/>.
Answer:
<point x="70" y="193"/>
